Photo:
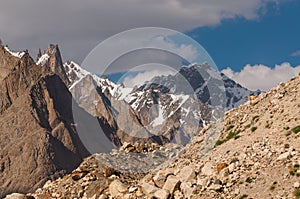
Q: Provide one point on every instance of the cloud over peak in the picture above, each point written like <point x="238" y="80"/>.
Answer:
<point x="262" y="77"/>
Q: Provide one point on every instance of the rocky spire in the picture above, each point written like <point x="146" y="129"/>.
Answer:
<point x="39" y="54"/>
<point x="55" y="63"/>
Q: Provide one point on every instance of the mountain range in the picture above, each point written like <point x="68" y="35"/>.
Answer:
<point x="54" y="114"/>
<point x="252" y="152"/>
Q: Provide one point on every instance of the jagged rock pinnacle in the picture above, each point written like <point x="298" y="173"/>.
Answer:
<point x="55" y="63"/>
<point x="39" y="54"/>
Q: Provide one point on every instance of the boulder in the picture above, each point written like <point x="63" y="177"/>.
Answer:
<point x="172" y="184"/>
<point x="161" y="194"/>
<point x="117" y="188"/>
<point x="187" y="174"/>
<point x="148" y="189"/>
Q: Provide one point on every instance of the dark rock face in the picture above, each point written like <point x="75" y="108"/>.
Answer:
<point x="7" y="61"/>
<point x="38" y="140"/>
<point x="20" y="74"/>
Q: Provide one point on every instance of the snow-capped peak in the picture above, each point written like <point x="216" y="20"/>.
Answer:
<point x="71" y="67"/>
<point x="76" y="73"/>
<point x="16" y="54"/>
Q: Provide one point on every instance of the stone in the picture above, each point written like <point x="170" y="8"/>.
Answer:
<point x="77" y="175"/>
<point x="237" y="191"/>
<point x="139" y="192"/>
<point x="215" y="187"/>
<point x="102" y="196"/>
<point x="132" y="189"/>
<point x="223" y="175"/>
<point x="221" y="166"/>
<point x="218" y="181"/>
<point x="178" y="195"/>
<point x="161" y="194"/>
<point x="207" y="169"/>
<point x="231" y="167"/>
<point x="108" y="172"/>
<point x="159" y="179"/>
<point x="187" y="174"/>
<point x="16" y="196"/>
<point x="186" y="189"/>
<point x="202" y="182"/>
<point x="148" y="189"/>
<point x="256" y="165"/>
<point x="116" y="188"/>
<point x="296" y="185"/>
<point x="283" y="156"/>
<point x="172" y="184"/>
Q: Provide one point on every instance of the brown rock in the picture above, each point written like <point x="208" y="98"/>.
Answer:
<point x="77" y="175"/>
<point x="221" y="166"/>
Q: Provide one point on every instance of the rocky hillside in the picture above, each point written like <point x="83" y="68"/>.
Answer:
<point x="37" y="138"/>
<point x="252" y="153"/>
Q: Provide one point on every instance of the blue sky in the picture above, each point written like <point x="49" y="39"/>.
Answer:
<point x="269" y="40"/>
<point x="260" y="51"/>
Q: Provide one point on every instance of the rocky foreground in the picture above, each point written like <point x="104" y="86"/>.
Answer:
<point x="256" y="156"/>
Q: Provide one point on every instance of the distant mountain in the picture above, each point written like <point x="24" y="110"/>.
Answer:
<point x="166" y="109"/>
<point x="205" y="83"/>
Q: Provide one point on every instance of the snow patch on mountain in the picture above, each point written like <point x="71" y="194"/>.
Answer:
<point x="43" y="59"/>
<point x="16" y="54"/>
<point x="76" y="73"/>
<point x="159" y="120"/>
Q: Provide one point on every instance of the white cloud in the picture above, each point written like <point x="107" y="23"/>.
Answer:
<point x="187" y="51"/>
<point x="80" y="25"/>
<point x="140" y="46"/>
<point x="148" y="71"/>
<point x="262" y="77"/>
<point x="296" y="54"/>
